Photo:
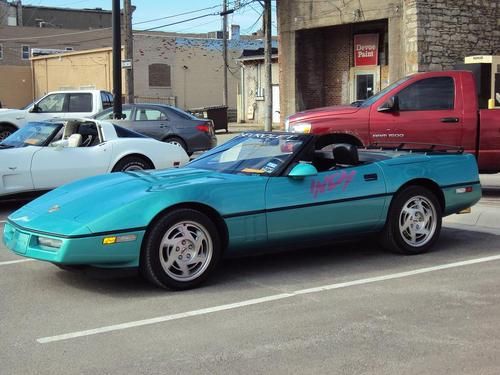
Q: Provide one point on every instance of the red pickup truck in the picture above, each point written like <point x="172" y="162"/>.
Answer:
<point x="434" y="107"/>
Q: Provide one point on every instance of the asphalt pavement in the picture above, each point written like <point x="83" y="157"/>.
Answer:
<point x="348" y="308"/>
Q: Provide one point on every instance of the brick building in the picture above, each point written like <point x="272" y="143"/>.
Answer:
<point x="335" y="52"/>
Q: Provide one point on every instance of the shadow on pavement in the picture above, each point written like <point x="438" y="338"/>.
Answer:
<point x="294" y="269"/>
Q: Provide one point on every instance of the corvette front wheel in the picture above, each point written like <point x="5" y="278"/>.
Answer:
<point x="180" y="250"/>
<point x="414" y="221"/>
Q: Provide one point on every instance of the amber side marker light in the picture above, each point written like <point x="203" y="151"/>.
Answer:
<point x="118" y="239"/>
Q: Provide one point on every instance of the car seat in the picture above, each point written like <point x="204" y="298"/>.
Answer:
<point x="89" y="135"/>
<point x="74" y="140"/>
<point x="345" y="154"/>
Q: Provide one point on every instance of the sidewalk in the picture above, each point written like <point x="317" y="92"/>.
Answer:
<point x="485" y="216"/>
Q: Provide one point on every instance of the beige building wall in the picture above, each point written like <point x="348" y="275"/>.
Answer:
<point x="15" y="86"/>
<point x="196" y="69"/>
<point x="72" y="71"/>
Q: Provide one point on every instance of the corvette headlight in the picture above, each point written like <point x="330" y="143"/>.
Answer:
<point x="49" y="242"/>
<point x="300" y="127"/>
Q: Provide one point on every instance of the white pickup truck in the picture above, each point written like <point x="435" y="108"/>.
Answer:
<point x="56" y="104"/>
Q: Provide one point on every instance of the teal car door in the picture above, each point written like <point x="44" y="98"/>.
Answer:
<point x="328" y="205"/>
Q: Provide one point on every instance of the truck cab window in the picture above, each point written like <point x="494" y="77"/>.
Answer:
<point x="80" y="103"/>
<point x="52" y="103"/>
<point x="431" y="94"/>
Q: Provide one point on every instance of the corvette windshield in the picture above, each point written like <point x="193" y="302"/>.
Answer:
<point x="33" y="134"/>
<point x="251" y="153"/>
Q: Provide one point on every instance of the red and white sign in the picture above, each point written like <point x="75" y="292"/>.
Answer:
<point x="365" y="49"/>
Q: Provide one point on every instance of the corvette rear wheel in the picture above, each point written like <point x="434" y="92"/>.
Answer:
<point x="132" y="163"/>
<point x="181" y="250"/>
<point x="414" y="221"/>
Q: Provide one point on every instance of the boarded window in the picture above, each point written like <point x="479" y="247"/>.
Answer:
<point x="159" y="75"/>
<point x="25" y="52"/>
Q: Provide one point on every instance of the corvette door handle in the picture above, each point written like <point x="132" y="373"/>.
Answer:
<point x="370" y="177"/>
<point x="449" y="119"/>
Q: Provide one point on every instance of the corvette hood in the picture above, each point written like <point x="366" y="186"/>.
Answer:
<point x="101" y="198"/>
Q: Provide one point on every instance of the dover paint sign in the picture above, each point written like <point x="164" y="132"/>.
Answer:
<point x="365" y="49"/>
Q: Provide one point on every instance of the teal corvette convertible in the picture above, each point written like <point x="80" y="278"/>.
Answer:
<point x="258" y="192"/>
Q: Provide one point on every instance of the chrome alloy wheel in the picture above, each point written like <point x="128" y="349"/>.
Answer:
<point x="176" y="143"/>
<point x="186" y="251"/>
<point x="417" y="221"/>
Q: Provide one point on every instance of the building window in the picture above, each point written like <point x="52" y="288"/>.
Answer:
<point x="68" y="49"/>
<point x="1" y="51"/>
<point x="26" y="52"/>
<point x="159" y="75"/>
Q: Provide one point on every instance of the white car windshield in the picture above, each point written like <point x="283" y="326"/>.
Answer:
<point x="252" y="153"/>
<point x="33" y="134"/>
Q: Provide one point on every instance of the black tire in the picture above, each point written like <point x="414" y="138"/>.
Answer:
<point x="413" y="223"/>
<point x="177" y="142"/>
<point x="132" y="163"/>
<point x="6" y="130"/>
<point x="192" y="238"/>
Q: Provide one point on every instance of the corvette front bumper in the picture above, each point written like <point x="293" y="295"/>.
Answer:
<point x="88" y="249"/>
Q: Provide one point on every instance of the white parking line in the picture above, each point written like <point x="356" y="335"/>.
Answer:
<point x="256" y="301"/>
<point x="15" y="261"/>
<point x="3" y="221"/>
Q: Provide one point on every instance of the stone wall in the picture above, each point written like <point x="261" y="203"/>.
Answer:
<point x="449" y="30"/>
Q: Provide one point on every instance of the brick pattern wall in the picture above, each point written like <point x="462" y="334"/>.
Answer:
<point x="323" y="61"/>
<point x="440" y="33"/>
<point x="309" y="73"/>
<point x="337" y="61"/>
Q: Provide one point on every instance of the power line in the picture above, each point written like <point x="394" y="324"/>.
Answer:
<point x="182" y="21"/>
<point x="242" y="5"/>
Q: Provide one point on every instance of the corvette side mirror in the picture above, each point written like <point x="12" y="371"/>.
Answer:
<point x="302" y="170"/>
<point x="392" y="105"/>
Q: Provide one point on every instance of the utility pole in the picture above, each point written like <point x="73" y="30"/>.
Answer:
<point x="129" y="48"/>
<point x="224" y="50"/>
<point x="268" y="50"/>
<point x="117" y="57"/>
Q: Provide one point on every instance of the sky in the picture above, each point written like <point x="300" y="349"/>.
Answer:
<point x="248" y="16"/>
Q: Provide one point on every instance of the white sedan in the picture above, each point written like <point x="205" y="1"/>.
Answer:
<point x="44" y="155"/>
